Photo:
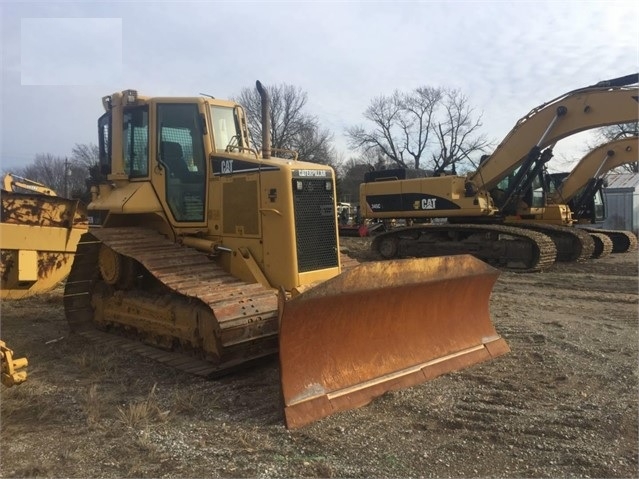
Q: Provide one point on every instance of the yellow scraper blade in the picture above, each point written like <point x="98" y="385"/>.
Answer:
<point x="382" y="326"/>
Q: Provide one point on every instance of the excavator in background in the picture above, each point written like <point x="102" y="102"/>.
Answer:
<point x="39" y="233"/>
<point x="484" y="213"/>
<point x="208" y="256"/>
<point x="13" y="183"/>
<point x="582" y="188"/>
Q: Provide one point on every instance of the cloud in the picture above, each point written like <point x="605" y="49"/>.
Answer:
<point x="507" y="58"/>
<point x="70" y="51"/>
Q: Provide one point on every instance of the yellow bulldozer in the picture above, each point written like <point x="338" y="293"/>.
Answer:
<point x="39" y="233"/>
<point x="497" y="212"/>
<point x="208" y="255"/>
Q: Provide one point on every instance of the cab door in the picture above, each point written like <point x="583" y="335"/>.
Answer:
<point x="181" y="156"/>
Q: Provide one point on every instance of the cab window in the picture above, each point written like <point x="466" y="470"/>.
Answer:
<point x="104" y="143"/>
<point x="135" y="141"/>
<point x="226" y="132"/>
<point x="538" y="199"/>
<point x="181" y="154"/>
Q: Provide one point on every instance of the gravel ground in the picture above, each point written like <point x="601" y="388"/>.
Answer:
<point x="563" y="403"/>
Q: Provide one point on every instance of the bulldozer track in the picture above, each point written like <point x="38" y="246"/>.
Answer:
<point x="573" y="244"/>
<point x="187" y="273"/>
<point x="246" y="313"/>
<point x="543" y="256"/>
<point x="622" y="241"/>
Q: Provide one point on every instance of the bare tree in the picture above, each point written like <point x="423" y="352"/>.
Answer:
<point x="85" y="154"/>
<point x="456" y="133"/>
<point x="52" y="171"/>
<point x="291" y="127"/>
<point x="385" y="137"/>
<point x="404" y="124"/>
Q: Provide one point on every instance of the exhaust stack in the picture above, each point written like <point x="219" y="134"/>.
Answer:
<point x="266" y="120"/>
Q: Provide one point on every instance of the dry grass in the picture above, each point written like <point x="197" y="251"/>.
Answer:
<point x="189" y="403"/>
<point x="93" y="406"/>
<point x="142" y="413"/>
<point x="96" y="364"/>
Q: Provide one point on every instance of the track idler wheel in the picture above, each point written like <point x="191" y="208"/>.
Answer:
<point x="116" y="269"/>
<point x="386" y="246"/>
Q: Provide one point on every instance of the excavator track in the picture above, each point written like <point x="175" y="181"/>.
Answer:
<point x="603" y="245"/>
<point x="198" y="318"/>
<point x="573" y="244"/>
<point x="505" y="247"/>
<point x="622" y="241"/>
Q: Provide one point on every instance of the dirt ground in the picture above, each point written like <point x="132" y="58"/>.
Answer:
<point x="563" y="403"/>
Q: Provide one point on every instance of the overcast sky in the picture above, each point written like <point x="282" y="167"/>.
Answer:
<point x="59" y="59"/>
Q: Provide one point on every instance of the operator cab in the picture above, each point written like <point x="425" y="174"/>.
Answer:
<point x="141" y="138"/>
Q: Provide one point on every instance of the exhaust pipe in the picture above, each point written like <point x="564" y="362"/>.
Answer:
<point x="266" y="121"/>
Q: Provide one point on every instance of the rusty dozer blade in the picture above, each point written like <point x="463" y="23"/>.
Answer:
<point x="382" y="326"/>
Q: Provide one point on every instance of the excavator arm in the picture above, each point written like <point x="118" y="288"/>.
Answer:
<point x="595" y="165"/>
<point x="11" y="182"/>
<point x="606" y="103"/>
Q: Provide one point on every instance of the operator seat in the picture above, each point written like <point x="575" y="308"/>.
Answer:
<point x="173" y="158"/>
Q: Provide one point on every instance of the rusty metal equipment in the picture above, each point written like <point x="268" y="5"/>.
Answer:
<point x="384" y="326"/>
<point x="39" y="233"/>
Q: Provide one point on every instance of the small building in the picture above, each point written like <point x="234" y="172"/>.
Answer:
<point x="622" y="202"/>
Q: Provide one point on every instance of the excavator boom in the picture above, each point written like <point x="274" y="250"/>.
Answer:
<point x="545" y="125"/>
<point x="596" y="164"/>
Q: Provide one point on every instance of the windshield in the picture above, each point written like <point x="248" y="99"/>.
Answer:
<point x="225" y="128"/>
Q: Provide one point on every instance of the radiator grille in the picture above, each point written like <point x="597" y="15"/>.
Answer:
<point x="314" y="225"/>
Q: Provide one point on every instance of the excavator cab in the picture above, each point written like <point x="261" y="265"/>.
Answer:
<point x="202" y="246"/>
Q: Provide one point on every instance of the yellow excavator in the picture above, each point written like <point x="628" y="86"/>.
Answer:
<point x="581" y="188"/>
<point x="39" y="233"/>
<point x="208" y="256"/>
<point x="484" y="213"/>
